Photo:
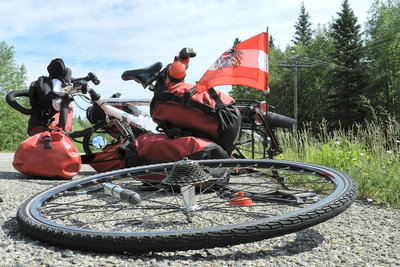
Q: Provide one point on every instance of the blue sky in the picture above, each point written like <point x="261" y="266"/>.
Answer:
<point x="109" y="37"/>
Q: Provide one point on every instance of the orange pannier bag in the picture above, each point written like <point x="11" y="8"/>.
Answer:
<point x="48" y="154"/>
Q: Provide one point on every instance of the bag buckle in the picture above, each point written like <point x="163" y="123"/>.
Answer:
<point x="187" y="99"/>
<point x="47" y="141"/>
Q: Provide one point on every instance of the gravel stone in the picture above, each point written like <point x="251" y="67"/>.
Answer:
<point x="366" y="234"/>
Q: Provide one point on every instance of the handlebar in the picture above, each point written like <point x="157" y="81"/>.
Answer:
<point x="84" y="132"/>
<point x="10" y="99"/>
<point x="80" y="84"/>
<point x="250" y="108"/>
<point x="91" y="77"/>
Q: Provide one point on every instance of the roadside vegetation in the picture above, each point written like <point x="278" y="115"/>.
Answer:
<point x="369" y="153"/>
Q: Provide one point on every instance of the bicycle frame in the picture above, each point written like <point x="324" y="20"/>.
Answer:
<point x="141" y="122"/>
<point x="255" y="124"/>
<point x="258" y="127"/>
<point x="258" y="123"/>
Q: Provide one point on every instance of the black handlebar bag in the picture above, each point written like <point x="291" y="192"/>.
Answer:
<point x="43" y="113"/>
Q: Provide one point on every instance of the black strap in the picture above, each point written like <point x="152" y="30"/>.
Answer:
<point x="172" y="131"/>
<point x="187" y="97"/>
<point x="216" y="98"/>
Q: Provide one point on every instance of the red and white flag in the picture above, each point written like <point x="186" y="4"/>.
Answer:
<point x="244" y="64"/>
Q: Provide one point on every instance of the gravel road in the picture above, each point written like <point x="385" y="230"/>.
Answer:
<point x="364" y="235"/>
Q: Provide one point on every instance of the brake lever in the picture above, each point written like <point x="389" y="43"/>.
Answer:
<point x="92" y="77"/>
<point x="80" y="86"/>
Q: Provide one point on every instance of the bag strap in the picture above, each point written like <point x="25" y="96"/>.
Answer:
<point x="217" y="99"/>
<point x="187" y="97"/>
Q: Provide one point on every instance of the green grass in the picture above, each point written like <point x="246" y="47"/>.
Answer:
<point x="369" y="154"/>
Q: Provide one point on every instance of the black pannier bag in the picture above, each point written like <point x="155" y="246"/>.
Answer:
<point x="40" y="98"/>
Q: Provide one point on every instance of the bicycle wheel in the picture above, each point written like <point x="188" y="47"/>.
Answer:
<point x="109" y="133"/>
<point x="186" y="205"/>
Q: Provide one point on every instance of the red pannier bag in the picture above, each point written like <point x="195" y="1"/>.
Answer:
<point x="48" y="154"/>
<point x="111" y="158"/>
<point x="159" y="147"/>
<point x="152" y="149"/>
<point x="211" y="114"/>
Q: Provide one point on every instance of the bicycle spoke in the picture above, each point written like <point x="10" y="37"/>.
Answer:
<point x="160" y="203"/>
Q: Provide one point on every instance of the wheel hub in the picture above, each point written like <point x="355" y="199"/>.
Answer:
<point x="186" y="172"/>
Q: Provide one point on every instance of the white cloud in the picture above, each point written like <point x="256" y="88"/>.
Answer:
<point x="108" y="37"/>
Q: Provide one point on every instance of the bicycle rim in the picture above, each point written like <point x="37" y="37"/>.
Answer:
<point x="238" y="201"/>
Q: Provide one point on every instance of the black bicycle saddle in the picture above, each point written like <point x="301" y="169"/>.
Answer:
<point x="143" y="76"/>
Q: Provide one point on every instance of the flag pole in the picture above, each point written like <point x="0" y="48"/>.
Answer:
<point x="266" y="91"/>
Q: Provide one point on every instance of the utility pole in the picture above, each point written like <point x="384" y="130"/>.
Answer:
<point x="294" y="60"/>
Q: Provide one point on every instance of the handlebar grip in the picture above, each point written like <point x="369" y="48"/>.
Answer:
<point x="10" y="99"/>
<point x="95" y="96"/>
<point x="186" y="53"/>
<point x="278" y="120"/>
<point x="90" y="77"/>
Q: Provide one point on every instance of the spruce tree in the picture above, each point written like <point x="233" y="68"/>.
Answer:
<point x="271" y="42"/>
<point x="346" y="83"/>
<point x="382" y="49"/>
<point x="303" y="32"/>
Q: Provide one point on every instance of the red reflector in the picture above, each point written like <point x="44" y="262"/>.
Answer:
<point x="241" y="200"/>
<point x="263" y="106"/>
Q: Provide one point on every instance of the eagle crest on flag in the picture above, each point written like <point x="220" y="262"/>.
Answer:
<point x="229" y="59"/>
<point x="244" y="64"/>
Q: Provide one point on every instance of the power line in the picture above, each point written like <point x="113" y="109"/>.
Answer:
<point x="356" y="51"/>
<point x="295" y="66"/>
<point x="316" y="62"/>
